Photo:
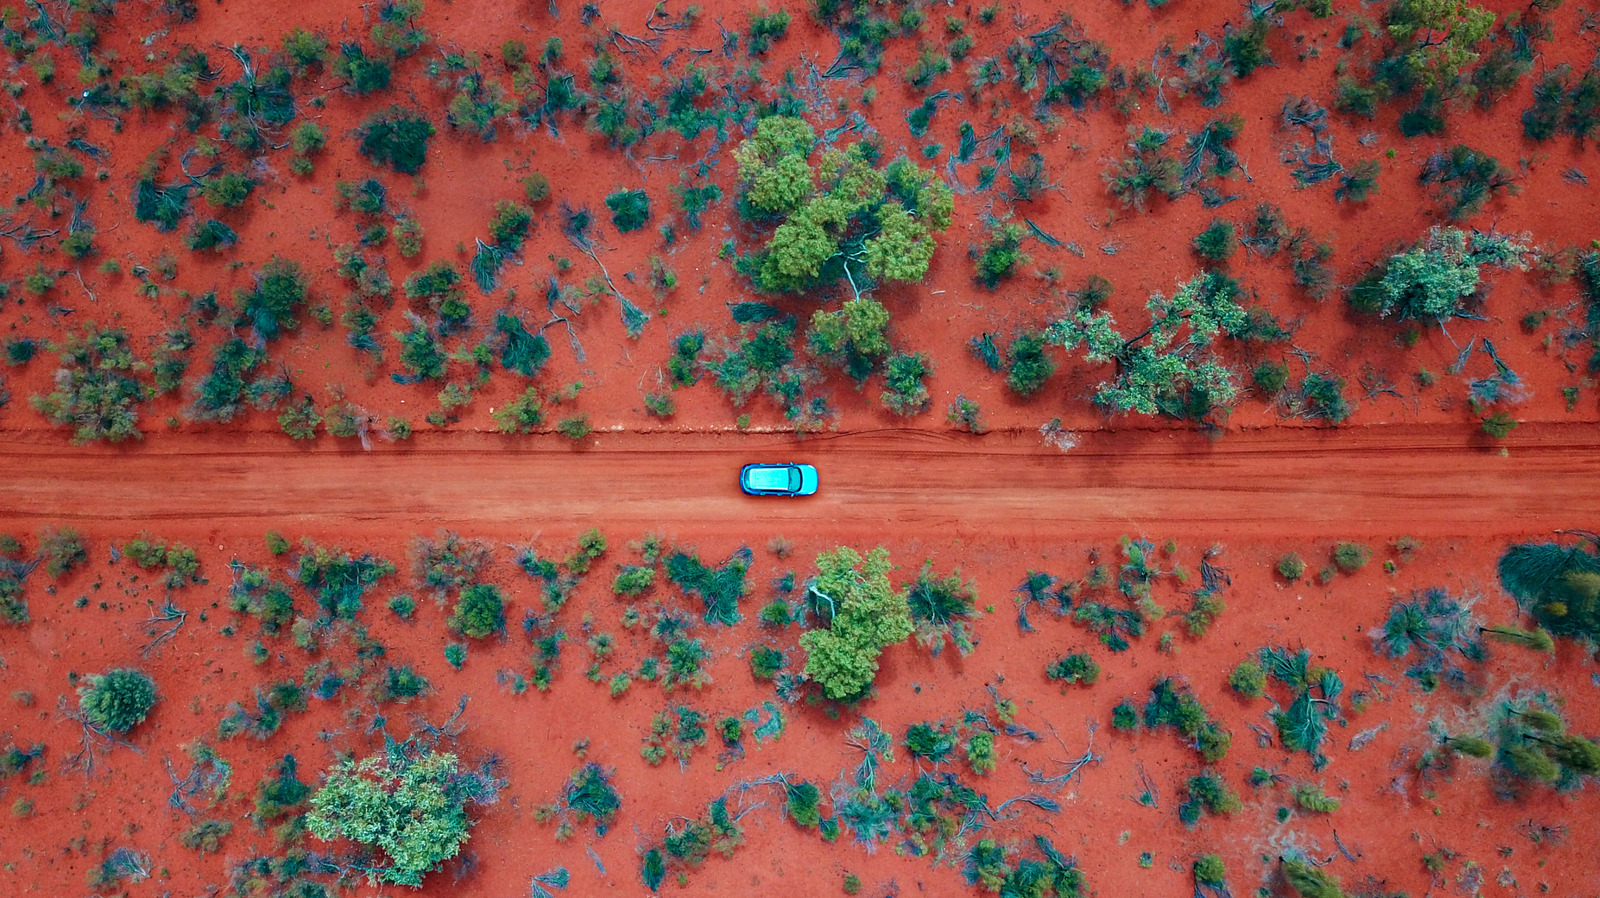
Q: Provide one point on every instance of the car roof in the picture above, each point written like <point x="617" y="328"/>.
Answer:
<point x="768" y="477"/>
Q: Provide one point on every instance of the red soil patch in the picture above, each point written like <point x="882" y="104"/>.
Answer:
<point x="1411" y="462"/>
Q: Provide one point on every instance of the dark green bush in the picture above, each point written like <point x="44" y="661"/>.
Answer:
<point x="273" y="304"/>
<point x="589" y="795"/>
<point x="63" y="549"/>
<point x="397" y="137"/>
<point x="1351" y="557"/>
<point x="1464" y="179"/>
<point x="1028" y="366"/>
<point x="363" y="74"/>
<point x="400" y="684"/>
<point x="765" y="662"/>
<point x="1217" y="241"/>
<point x="1000" y="254"/>
<point x="1077" y="667"/>
<point x="765" y="28"/>
<point x="227" y="190"/>
<point x="117" y="700"/>
<point x="1248" y="679"/>
<point x="903" y="374"/>
<point x="630" y="209"/>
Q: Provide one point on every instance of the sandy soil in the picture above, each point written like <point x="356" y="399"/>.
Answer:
<point x="1373" y="480"/>
<point x="1411" y="462"/>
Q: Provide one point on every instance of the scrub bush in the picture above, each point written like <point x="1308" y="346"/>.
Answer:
<point x="117" y="700"/>
<point x="397" y="137"/>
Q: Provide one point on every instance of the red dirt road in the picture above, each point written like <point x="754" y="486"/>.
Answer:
<point x="1422" y="480"/>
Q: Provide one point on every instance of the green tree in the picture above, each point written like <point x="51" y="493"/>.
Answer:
<point x="275" y="301"/>
<point x="1169" y="367"/>
<point x="852" y="337"/>
<point x="480" y="611"/>
<point x="865" y="616"/>
<point x="839" y="218"/>
<point x="117" y="700"/>
<point x="903" y="374"/>
<point x="1436" y="38"/>
<point x="397" y="137"/>
<point x="1430" y="281"/>
<point x="97" y="388"/>
<point x="413" y="809"/>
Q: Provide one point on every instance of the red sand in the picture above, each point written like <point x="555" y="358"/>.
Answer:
<point x="1412" y="462"/>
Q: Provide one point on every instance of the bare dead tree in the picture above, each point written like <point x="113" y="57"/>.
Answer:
<point x="168" y="614"/>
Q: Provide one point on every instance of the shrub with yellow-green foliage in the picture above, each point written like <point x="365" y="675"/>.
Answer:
<point x="840" y="218"/>
<point x="865" y="616"/>
<point x="412" y="806"/>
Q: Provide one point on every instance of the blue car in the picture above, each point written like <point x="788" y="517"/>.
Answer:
<point x="778" y="480"/>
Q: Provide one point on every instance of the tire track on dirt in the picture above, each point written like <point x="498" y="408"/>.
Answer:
<point x="1374" y="480"/>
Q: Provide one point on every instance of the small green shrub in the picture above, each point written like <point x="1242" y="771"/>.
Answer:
<point x="480" y="612"/>
<point x="1001" y="253"/>
<point x="1248" y="679"/>
<point x="1351" y="557"/>
<point x="1217" y="242"/>
<point x="634" y="580"/>
<point x="765" y="662"/>
<point x="117" y="700"/>
<point x="630" y="209"/>
<point x="1077" y="667"/>
<point x="1291" y="567"/>
<point x="1027" y="364"/>
<point x="63" y="549"/>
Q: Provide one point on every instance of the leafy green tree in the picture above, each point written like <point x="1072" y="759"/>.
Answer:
<point x="852" y="337"/>
<point x="97" y="388"/>
<point x="1169" y="367"/>
<point x="397" y="137"/>
<point x="1431" y="281"/>
<point x="840" y="218"/>
<point x="480" y="611"/>
<point x="117" y="700"/>
<point x="275" y="301"/>
<point x="903" y="374"/>
<point x="1435" y="39"/>
<point x="865" y="615"/>
<point x="1027" y="364"/>
<point x="411" y="805"/>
